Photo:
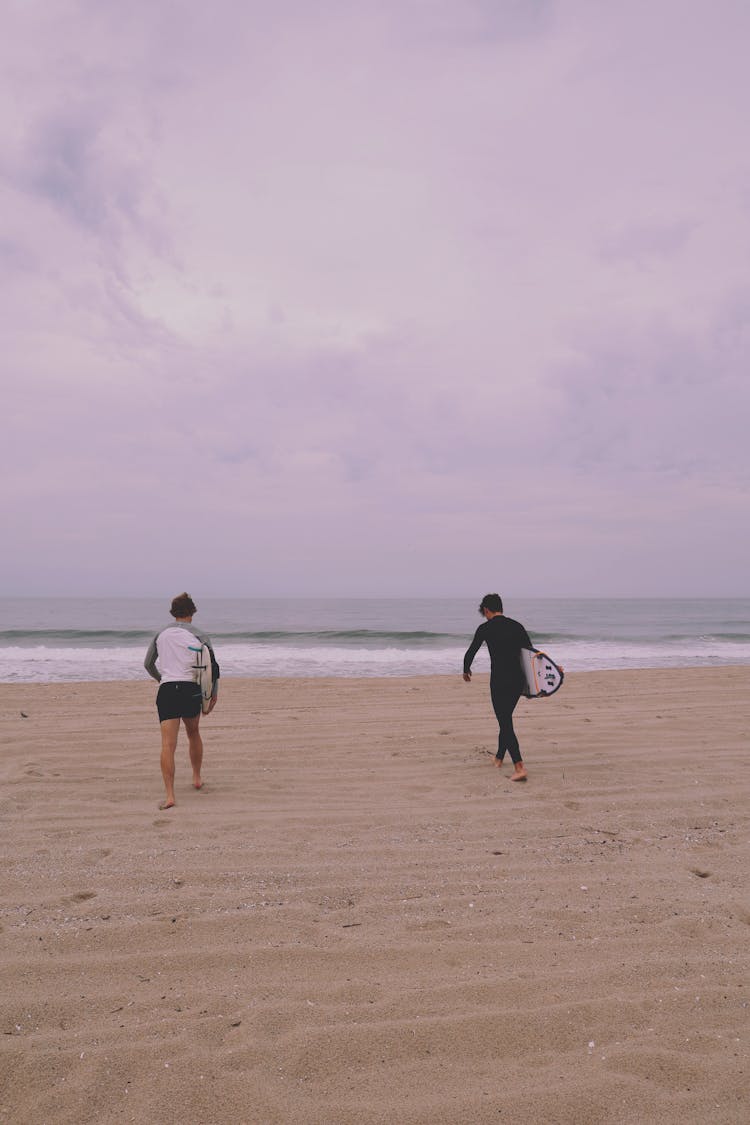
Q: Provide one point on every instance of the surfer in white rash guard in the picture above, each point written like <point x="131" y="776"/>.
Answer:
<point x="170" y="660"/>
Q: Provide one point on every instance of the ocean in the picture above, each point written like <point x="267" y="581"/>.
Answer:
<point x="54" y="640"/>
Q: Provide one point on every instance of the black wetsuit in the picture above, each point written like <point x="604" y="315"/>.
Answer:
<point x="504" y="638"/>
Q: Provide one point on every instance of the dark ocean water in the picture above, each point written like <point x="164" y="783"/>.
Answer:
<point x="68" y="639"/>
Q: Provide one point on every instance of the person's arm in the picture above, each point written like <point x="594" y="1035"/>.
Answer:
<point x="526" y="641"/>
<point x="471" y="652"/>
<point x="150" y="662"/>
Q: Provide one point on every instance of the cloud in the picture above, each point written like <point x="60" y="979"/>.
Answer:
<point x="646" y="241"/>
<point x="383" y="288"/>
<point x="659" y="403"/>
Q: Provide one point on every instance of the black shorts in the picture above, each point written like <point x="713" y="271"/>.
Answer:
<point x="179" y="700"/>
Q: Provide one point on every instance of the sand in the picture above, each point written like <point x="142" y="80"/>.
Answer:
<point x="360" y="919"/>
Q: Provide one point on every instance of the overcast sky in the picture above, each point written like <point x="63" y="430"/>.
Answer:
<point x="375" y="297"/>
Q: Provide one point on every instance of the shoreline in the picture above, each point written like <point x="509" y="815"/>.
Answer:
<point x="443" y="676"/>
<point x="360" y="918"/>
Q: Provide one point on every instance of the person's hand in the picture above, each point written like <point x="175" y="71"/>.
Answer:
<point x="212" y="704"/>
<point x="467" y="677"/>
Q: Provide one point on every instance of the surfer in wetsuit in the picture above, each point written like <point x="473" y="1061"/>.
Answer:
<point x="504" y="638"/>
<point x="170" y="660"/>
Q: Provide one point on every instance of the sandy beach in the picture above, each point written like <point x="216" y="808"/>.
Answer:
<point x="360" y="919"/>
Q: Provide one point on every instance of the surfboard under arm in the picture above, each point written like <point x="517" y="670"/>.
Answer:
<point x="542" y="676"/>
<point x="203" y="673"/>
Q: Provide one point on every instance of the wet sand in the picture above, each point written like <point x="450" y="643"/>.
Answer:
<point x="360" y="919"/>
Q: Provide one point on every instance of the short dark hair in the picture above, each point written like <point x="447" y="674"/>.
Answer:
<point x="492" y="602"/>
<point x="182" y="606"/>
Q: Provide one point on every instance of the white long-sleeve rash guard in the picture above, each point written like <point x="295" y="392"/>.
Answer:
<point x="171" y="655"/>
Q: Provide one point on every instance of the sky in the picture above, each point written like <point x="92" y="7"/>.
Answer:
<point x="375" y="297"/>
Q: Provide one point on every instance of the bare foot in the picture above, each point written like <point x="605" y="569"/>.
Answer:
<point x="499" y="763"/>
<point x="168" y="804"/>
<point x="519" y="774"/>
<point x="197" y="783"/>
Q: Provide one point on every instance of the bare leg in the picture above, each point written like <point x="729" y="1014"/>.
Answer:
<point x="195" y="744"/>
<point x="170" y="728"/>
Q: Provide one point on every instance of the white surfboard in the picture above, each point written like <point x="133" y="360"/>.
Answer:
<point x="542" y="675"/>
<point x="203" y="674"/>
